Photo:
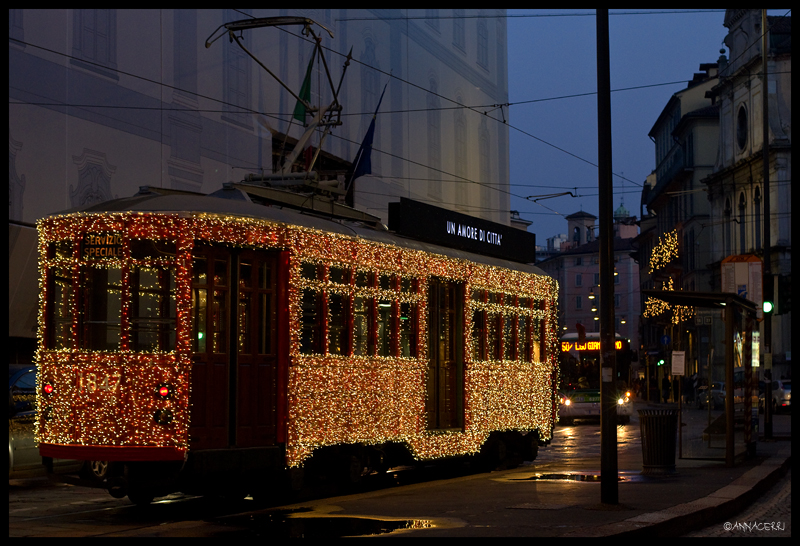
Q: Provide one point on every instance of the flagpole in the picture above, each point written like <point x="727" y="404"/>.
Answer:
<point x="366" y="147"/>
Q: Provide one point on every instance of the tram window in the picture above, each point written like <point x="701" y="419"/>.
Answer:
<point x="246" y="274"/>
<point x="219" y="321"/>
<point x="493" y="336"/>
<point x="385" y="327"/>
<point x="264" y="276"/>
<point x="478" y="295"/>
<point x="337" y="325"/>
<point x="59" y="316"/>
<point x="101" y="308"/>
<point x="199" y="270"/>
<point x="363" y="279"/>
<point x="220" y="272"/>
<point x="385" y="282"/>
<point x="310" y="324"/>
<point x="148" y="248"/>
<point x="309" y="271"/>
<point x="523" y="339"/>
<point x="407" y="285"/>
<point x="508" y="337"/>
<point x="244" y="318"/>
<point x="154" y="309"/>
<point x="408" y="330"/>
<point x="59" y="250"/>
<point x="199" y="327"/>
<point x="537" y="339"/>
<point x="339" y="275"/>
<point x="361" y="322"/>
<point x="479" y="334"/>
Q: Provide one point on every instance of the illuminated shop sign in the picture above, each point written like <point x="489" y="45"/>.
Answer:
<point x="102" y="245"/>
<point x="567" y="346"/>
<point x="455" y="230"/>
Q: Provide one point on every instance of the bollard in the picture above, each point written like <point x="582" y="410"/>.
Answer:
<point x="659" y="430"/>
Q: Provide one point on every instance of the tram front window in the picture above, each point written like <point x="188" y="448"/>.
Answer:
<point x="101" y="308"/>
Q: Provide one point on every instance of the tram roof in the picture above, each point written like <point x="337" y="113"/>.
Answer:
<point x="193" y="203"/>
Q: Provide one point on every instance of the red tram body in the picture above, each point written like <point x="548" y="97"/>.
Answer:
<point x="187" y="337"/>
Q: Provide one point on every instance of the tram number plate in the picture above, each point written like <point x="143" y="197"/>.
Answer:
<point x="91" y="382"/>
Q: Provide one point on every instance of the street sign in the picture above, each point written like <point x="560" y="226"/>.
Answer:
<point x="678" y="362"/>
<point x="665" y="340"/>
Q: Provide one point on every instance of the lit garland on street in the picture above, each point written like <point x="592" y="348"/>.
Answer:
<point x="107" y="398"/>
<point x="665" y="251"/>
<point x="654" y="307"/>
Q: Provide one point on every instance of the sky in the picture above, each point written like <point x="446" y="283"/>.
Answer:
<point x="556" y="56"/>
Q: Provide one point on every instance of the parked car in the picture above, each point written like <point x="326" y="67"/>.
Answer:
<point x="23" y="456"/>
<point x="781" y="396"/>
<point x="717" y="395"/>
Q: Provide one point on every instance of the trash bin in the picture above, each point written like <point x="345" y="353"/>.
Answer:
<point x="659" y="430"/>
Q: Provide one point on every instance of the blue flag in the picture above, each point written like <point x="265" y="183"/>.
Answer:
<point x="362" y="164"/>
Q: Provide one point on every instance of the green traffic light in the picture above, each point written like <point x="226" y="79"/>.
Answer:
<point x="661" y="362"/>
<point x="768" y="306"/>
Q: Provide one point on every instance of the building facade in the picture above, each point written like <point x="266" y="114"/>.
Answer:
<point x="577" y="270"/>
<point x="675" y="240"/>
<point x="736" y="189"/>
<point x="103" y="101"/>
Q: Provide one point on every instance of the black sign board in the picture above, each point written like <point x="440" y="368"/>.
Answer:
<point x="455" y="230"/>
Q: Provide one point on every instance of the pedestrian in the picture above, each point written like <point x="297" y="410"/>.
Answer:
<point x="665" y="388"/>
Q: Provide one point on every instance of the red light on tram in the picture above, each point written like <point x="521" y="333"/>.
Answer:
<point x="48" y="388"/>
<point x="164" y="391"/>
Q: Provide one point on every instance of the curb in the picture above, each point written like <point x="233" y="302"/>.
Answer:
<point x="685" y="518"/>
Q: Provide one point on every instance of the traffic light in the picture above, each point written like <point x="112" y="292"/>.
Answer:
<point x="661" y="362"/>
<point x="768" y="306"/>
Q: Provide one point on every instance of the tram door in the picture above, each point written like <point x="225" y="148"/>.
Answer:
<point x="445" y="365"/>
<point x="234" y="342"/>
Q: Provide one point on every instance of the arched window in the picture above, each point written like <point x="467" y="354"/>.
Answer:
<point x="742" y="233"/>
<point x="757" y="218"/>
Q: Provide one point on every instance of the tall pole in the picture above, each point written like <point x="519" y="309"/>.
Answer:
<point x="769" y="287"/>
<point x="609" y="487"/>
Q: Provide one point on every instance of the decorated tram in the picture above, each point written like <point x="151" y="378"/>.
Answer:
<point x="200" y="343"/>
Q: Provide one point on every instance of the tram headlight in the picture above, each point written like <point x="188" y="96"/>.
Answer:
<point x="621" y="401"/>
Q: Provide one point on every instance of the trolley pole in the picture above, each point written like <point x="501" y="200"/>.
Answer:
<point x="609" y="487"/>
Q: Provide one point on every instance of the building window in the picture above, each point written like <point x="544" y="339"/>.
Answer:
<point x="578" y="280"/>
<point x="462" y="189"/>
<point x="483" y="43"/>
<point x="434" y="143"/>
<point x="727" y="242"/>
<point x="741" y="127"/>
<point x="757" y="218"/>
<point x="578" y="302"/>
<point x="742" y="238"/>
<point x="459" y="36"/>
<point x="95" y="40"/>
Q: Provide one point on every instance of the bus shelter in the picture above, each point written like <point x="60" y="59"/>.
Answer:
<point x="703" y="432"/>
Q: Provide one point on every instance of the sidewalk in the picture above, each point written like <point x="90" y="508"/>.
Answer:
<point x="520" y="503"/>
